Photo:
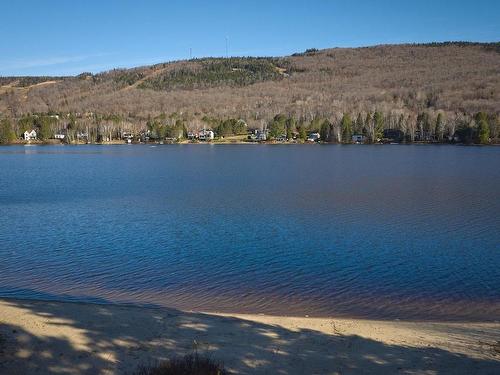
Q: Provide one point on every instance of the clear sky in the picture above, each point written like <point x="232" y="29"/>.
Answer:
<point x="66" y="37"/>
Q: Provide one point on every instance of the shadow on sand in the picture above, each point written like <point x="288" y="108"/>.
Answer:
<point x="113" y="339"/>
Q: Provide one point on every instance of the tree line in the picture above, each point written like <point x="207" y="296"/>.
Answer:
<point x="480" y="128"/>
<point x="376" y="127"/>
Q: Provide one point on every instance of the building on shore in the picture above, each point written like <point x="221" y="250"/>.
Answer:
<point x="358" y="138"/>
<point x="313" y="137"/>
<point x="261" y="135"/>
<point x="281" y="138"/>
<point x="29" y="135"/>
<point x="393" y="135"/>
<point x="206" y="135"/>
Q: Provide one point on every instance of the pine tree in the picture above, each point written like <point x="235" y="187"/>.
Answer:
<point x="7" y="135"/>
<point x="302" y="132"/>
<point x="368" y="128"/>
<point x="277" y="126"/>
<point x="494" y="122"/>
<point x="346" y="125"/>
<point x="378" y="120"/>
<point x="483" y="131"/>
<point x="44" y="127"/>
<point x="290" y="127"/>
<point x="439" y="127"/>
<point x="358" y="126"/>
<point x="483" y="128"/>
<point x="324" y="132"/>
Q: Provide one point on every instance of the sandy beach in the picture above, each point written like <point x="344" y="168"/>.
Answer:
<point x="39" y="337"/>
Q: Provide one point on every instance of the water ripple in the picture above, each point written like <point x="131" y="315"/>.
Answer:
<point x="396" y="232"/>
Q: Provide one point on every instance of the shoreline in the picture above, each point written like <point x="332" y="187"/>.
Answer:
<point x="225" y="312"/>
<point x="246" y="143"/>
<point x="81" y="338"/>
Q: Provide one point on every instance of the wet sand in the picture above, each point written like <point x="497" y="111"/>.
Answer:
<point x="68" y="338"/>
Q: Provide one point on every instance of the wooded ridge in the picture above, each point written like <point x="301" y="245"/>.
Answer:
<point x="423" y="90"/>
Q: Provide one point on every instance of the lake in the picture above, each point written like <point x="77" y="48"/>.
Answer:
<point x="388" y="232"/>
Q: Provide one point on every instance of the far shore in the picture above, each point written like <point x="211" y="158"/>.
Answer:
<point x="80" y="338"/>
<point x="230" y="142"/>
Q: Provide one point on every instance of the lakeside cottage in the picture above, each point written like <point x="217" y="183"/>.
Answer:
<point x="29" y="135"/>
<point x="281" y="138"/>
<point x="82" y="135"/>
<point x="358" y="138"/>
<point x="257" y="135"/>
<point x="393" y="135"/>
<point x="127" y="135"/>
<point x="261" y="135"/>
<point x="206" y="135"/>
<point x="313" y="137"/>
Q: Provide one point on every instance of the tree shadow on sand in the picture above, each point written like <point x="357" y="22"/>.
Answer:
<point x="113" y="339"/>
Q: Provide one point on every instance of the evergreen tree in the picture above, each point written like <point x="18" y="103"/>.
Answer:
<point x="231" y="127"/>
<point x="290" y="127"/>
<point x="26" y="123"/>
<point x="239" y="127"/>
<point x="494" y="122"/>
<point x="358" y="125"/>
<point x="439" y="127"/>
<point x="44" y="128"/>
<point x="302" y="132"/>
<point x="378" y="120"/>
<point x="368" y="127"/>
<point x="177" y="130"/>
<point x="7" y="134"/>
<point x="346" y="126"/>
<point x="426" y="125"/>
<point x="483" y="128"/>
<point x="368" y="119"/>
<point x="324" y="131"/>
<point x="315" y="125"/>
<point x="277" y="126"/>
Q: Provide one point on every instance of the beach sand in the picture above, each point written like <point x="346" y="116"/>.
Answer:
<point x="68" y="338"/>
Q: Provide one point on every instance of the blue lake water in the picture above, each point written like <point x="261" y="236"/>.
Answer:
<point x="408" y="232"/>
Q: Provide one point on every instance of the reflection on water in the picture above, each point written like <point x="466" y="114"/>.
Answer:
<point x="409" y="232"/>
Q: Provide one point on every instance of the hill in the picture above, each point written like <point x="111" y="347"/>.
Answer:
<point x="455" y="79"/>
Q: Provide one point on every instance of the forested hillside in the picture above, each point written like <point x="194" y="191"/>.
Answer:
<point x="434" y="89"/>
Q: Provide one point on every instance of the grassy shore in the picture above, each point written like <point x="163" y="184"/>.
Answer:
<point x="69" y="338"/>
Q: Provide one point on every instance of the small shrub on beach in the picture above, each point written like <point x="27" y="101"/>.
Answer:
<point x="192" y="364"/>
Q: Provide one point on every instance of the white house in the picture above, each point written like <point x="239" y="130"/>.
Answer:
<point x="59" y="136"/>
<point x="29" y="135"/>
<point x="261" y="135"/>
<point x="81" y="135"/>
<point x="206" y="135"/>
<point x="313" y="137"/>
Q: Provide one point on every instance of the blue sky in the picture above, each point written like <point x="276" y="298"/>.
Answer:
<point x="59" y="37"/>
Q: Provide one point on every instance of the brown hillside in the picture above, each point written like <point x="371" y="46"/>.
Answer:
<point x="451" y="77"/>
